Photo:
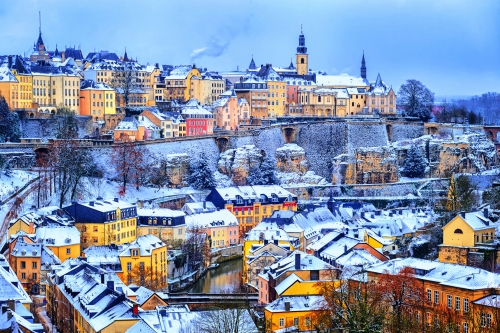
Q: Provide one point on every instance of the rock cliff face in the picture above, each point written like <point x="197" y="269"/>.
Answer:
<point x="236" y="163"/>
<point x="367" y="166"/>
<point x="467" y="153"/>
<point x="291" y="162"/>
<point x="177" y="168"/>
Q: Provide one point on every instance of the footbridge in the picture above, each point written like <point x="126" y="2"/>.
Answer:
<point x="211" y="298"/>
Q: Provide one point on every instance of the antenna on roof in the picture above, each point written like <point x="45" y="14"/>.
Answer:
<point x="301" y="28"/>
<point x="40" y="22"/>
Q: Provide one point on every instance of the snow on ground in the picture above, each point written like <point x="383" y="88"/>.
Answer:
<point x="10" y="184"/>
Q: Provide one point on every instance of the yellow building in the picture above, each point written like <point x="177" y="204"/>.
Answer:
<point x="295" y="313"/>
<point x="169" y="225"/>
<point x="23" y="96"/>
<point x="9" y="85"/>
<point x="53" y="88"/>
<point x="63" y="241"/>
<point x="147" y="253"/>
<point x="381" y="98"/>
<point x="102" y="222"/>
<point x="178" y="83"/>
<point x="26" y="223"/>
<point x="207" y="87"/>
<point x="468" y="240"/>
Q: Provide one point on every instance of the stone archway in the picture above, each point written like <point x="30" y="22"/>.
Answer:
<point x="289" y="133"/>
<point x="222" y="143"/>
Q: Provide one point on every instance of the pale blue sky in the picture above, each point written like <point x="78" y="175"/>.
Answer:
<point x="452" y="46"/>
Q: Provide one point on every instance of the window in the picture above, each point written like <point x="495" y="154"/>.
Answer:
<point x="33" y="264"/>
<point x="436" y="297"/>
<point x="34" y="276"/>
<point x="296" y="322"/>
<point x="308" y="321"/>
<point x="129" y="266"/>
<point x="429" y="295"/>
<point x="466" y="305"/>
<point x="466" y="327"/>
<point x="23" y="264"/>
<point x="457" y="303"/>
<point x="95" y="228"/>
<point x="485" y="319"/>
<point x="23" y="276"/>
<point x="448" y="302"/>
<point x="95" y="240"/>
<point x="282" y="322"/>
<point x="68" y="251"/>
<point x="458" y="231"/>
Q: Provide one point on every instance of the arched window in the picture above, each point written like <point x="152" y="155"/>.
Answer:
<point x="458" y="231"/>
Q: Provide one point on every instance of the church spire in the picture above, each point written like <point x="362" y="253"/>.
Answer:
<point x="302" y="49"/>
<point x="363" y="66"/>
<point x="125" y="57"/>
<point x="252" y="64"/>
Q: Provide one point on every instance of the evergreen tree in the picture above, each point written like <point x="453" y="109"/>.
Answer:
<point x="255" y="177"/>
<point x="9" y="123"/>
<point x="415" y="163"/>
<point x="200" y="174"/>
<point x="268" y="170"/>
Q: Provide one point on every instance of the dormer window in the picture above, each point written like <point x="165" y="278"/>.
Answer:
<point x="135" y="252"/>
<point x="239" y="200"/>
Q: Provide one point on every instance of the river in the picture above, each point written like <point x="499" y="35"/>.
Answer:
<point x="225" y="278"/>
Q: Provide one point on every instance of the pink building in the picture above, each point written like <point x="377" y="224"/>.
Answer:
<point x="220" y="226"/>
<point x="231" y="111"/>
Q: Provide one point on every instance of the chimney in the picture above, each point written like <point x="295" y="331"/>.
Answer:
<point x="91" y="203"/>
<point x="485" y="212"/>
<point x="345" y="249"/>
<point x="11" y="304"/>
<point x="10" y="62"/>
<point x="102" y="278"/>
<point x="110" y="285"/>
<point x="116" y="199"/>
<point x="275" y="242"/>
<point x="297" y="261"/>
<point x="135" y="309"/>
<point x="204" y="204"/>
<point x="287" y="306"/>
<point x="462" y="214"/>
<point x="266" y="241"/>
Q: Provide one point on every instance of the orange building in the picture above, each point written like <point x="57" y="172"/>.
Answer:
<point x="96" y="100"/>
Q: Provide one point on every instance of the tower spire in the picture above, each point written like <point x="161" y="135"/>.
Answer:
<point x="40" y="22"/>
<point x="363" y="66"/>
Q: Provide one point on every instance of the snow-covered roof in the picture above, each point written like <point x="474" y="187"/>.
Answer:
<point x="287" y="283"/>
<point x="215" y="219"/>
<point x="452" y="275"/>
<point x="339" y="248"/>
<point x="145" y="243"/>
<point x="159" y="212"/>
<point x="107" y="205"/>
<point x="253" y="192"/>
<point x="358" y="257"/>
<point x="103" y="254"/>
<point x="58" y="235"/>
<point x="198" y="207"/>
<point x="477" y="221"/>
<point x="296" y="303"/>
<point x="340" y="80"/>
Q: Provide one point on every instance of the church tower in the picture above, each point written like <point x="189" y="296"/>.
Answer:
<point x="363" y="67"/>
<point x="301" y="58"/>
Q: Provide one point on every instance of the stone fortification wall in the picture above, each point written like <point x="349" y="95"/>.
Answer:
<point x="47" y="127"/>
<point x="366" y="134"/>
<point x="405" y="131"/>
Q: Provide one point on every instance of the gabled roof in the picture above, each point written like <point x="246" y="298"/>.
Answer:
<point x="146" y="244"/>
<point x="287" y="283"/>
<point x="476" y="220"/>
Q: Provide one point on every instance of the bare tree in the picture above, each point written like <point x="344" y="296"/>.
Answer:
<point x="145" y="276"/>
<point x="127" y="158"/>
<point x="236" y="320"/>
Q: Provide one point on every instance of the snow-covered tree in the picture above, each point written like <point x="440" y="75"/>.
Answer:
<point x="200" y="174"/>
<point x="9" y="123"/>
<point x="414" y="165"/>
<point x="268" y="171"/>
<point x="416" y="99"/>
<point x="255" y="177"/>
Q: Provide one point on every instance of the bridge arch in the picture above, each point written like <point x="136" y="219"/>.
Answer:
<point x="222" y="143"/>
<point x="289" y="133"/>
